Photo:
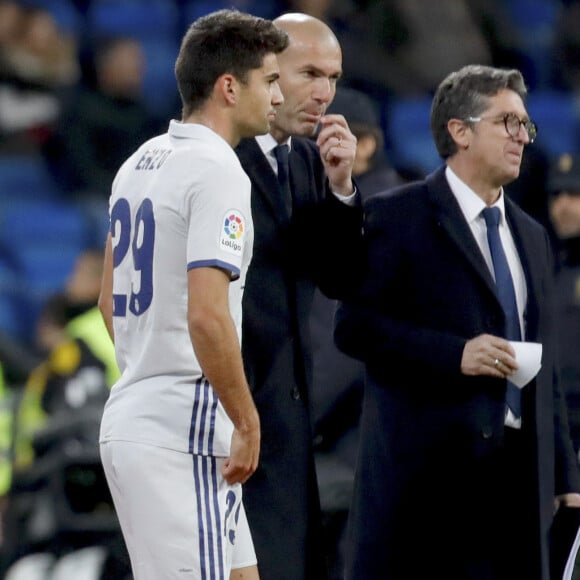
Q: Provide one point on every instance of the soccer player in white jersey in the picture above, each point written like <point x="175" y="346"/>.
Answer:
<point x="180" y="432"/>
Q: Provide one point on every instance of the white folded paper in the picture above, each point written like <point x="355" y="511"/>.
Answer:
<point x="529" y="359"/>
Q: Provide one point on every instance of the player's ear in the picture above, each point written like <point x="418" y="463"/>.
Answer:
<point x="228" y="87"/>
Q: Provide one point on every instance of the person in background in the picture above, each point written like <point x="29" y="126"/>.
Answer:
<point x="567" y="47"/>
<point x="39" y="69"/>
<point x="564" y="204"/>
<point x="180" y="432"/>
<point x="529" y="190"/>
<point x="307" y="220"/>
<point x="60" y="405"/>
<point x="70" y="379"/>
<point x="85" y="322"/>
<point x="79" y="363"/>
<point x="101" y="126"/>
<point x="563" y="192"/>
<point x="397" y="48"/>
<point x="459" y="471"/>
<point x="371" y="167"/>
<point x="6" y="427"/>
<point x="337" y="378"/>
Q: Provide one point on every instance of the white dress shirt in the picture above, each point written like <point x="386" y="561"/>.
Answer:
<point x="471" y="206"/>
<point x="267" y="144"/>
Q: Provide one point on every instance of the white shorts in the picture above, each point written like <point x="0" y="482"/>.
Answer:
<point x="180" y="519"/>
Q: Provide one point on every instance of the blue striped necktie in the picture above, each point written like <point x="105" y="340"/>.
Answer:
<point x="505" y="293"/>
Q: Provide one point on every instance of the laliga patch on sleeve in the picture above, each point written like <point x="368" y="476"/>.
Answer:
<point x="232" y="232"/>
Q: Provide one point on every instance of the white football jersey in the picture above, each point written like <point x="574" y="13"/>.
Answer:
<point x="181" y="201"/>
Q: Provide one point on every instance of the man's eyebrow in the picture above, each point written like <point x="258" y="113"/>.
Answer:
<point x="319" y="71"/>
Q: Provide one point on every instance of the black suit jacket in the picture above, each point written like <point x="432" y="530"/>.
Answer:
<point x="432" y="439"/>
<point x="320" y="245"/>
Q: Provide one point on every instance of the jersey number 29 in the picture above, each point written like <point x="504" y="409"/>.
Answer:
<point x="139" y="238"/>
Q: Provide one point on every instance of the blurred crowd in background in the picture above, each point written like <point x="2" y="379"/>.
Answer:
<point x="84" y="82"/>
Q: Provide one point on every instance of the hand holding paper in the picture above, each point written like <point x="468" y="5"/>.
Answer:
<point x="529" y="359"/>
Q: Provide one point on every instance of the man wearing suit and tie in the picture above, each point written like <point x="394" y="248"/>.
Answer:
<point x="307" y="227"/>
<point x="457" y="477"/>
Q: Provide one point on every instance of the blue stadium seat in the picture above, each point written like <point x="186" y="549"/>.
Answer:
<point x="533" y="24"/>
<point x="156" y="24"/>
<point x="409" y="135"/>
<point x="42" y="222"/>
<point x="141" y="19"/>
<point x="25" y="177"/>
<point x="557" y="115"/>
<point x="42" y="240"/>
<point x="266" y="9"/>
<point x="12" y="321"/>
<point x="160" y="94"/>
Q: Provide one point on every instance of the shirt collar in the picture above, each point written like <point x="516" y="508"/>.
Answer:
<point x="267" y="143"/>
<point x="181" y="130"/>
<point x="470" y="203"/>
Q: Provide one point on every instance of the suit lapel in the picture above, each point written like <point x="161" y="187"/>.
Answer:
<point x="451" y="219"/>
<point x="527" y="248"/>
<point x="264" y="180"/>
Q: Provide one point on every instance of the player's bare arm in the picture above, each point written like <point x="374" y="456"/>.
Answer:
<point x="106" y="295"/>
<point x="217" y="348"/>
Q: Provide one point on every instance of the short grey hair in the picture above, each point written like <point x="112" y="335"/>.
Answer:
<point x="465" y="93"/>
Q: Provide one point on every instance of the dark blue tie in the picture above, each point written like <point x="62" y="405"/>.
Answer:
<point x="281" y="153"/>
<point x="506" y="294"/>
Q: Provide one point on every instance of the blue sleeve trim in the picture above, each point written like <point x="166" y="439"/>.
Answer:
<point x="233" y="270"/>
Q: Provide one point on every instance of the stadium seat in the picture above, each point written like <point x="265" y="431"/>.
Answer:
<point x="533" y="24"/>
<point x="42" y="240"/>
<point x="141" y="19"/>
<point x="41" y="222"/>
<point x="12" y="321"/>
<point x="557" y="115"/>
<point x="160" y="94"/>
<point x="409" y="135"/>
<point x="25" y="176"/>
<point x="156" y="24"/>
<point x="266" y="9"/>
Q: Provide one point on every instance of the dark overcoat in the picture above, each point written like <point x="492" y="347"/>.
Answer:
<point x="430" y="485"/>
<point x="319" y="245"/>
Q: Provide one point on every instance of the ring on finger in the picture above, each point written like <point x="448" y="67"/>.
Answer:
<point x="496" y="363"/>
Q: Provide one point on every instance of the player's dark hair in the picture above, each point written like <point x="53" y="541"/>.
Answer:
<point x="226" y="41"/>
